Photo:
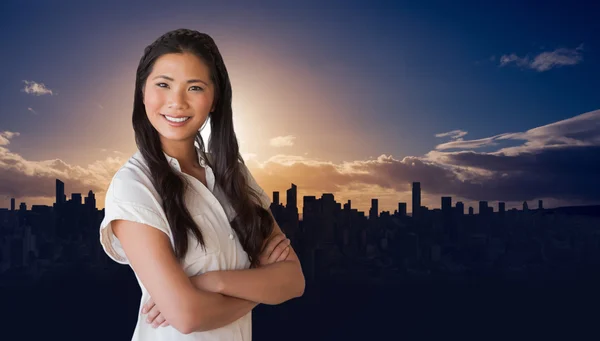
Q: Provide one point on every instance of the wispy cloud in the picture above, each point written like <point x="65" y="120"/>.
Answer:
<point x="282" y="141"/>
<point x="454" y="134"/>
<point x="546" y="60"/>
<point x="469" y="144"/>
<point x="36" y="88"/>
<point x="581" y="130"/>
<point x="33" y="111"/>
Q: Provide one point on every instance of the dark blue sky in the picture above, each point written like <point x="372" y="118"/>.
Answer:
<point x="364" y="78"/>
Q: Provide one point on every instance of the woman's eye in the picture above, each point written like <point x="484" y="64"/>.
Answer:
<point x="193" y="88"/>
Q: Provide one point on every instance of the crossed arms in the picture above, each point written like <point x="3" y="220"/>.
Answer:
<point x="213" y="299"/>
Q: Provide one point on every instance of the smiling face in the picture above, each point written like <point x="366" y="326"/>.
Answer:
<point x="178" y="96"/>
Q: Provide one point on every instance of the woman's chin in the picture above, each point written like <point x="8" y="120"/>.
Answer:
<point x="178" y="135"/>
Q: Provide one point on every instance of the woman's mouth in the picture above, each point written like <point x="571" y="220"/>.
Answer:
<point x="176" y="121"/>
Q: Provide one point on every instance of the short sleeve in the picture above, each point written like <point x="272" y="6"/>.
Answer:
<point x="264" y="197"/>
<point x="132" y="200"/>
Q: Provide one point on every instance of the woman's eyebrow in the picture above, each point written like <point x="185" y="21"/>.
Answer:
<point x="189" y="81"/>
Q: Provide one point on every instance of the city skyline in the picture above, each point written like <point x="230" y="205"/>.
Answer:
<point x="397" y="93"/>
<point x="291" y="200"/>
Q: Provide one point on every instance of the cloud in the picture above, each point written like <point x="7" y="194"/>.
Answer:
<point x="35" y="88"/>
<point x="582" y="130"/>
<point x="248" y="156"/>
<point x="33" y="111"/>
<point x="6" y="136"/>
<point x="546" y="60"/>
<point x="470" y="144"/>
<point x="282" y="141"/>
<point x="22" y="178"/>
<point x="557" y="162"/>
<point x="454" y="134"/>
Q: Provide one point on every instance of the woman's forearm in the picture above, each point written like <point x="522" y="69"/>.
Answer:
<point x="221" y="311"/>
<point x="271" y="284"/>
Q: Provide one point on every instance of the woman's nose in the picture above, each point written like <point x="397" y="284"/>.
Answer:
<point x="176" y="101"/>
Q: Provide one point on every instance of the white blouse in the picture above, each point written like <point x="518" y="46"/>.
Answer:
<point x="131" y="196"/>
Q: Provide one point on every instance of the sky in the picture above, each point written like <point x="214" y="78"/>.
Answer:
<point x="496" y="102"/>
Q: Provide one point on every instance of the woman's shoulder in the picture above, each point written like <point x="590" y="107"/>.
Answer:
<point x="132" y="182"/>
<point x="133" y="170"/>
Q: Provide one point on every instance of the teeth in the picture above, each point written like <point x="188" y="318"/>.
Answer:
<point x="173" y="119"/>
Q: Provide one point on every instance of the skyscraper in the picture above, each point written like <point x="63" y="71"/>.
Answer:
<point x="12" y="204"/>
<point x="276" y="198"/>
<point x="76" y="198"/>
<point x="446" y="204"/>
<point x="483" y="207"/>
<point x="291" y="197"/>
<point x="60" y="193"/>
<point x="416" y="198"/>
<point x="374" y="211"/>
<point x="402" y="209"/>
<point x="90" y="200"/>
<point x="460" y="208"/>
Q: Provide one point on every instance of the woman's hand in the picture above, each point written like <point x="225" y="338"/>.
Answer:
<point x="276" y="250"/>
<point x="154" y="315"/>
<point x="208" y="281"/>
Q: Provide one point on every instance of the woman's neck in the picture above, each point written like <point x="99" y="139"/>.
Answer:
<point x="184" y="151"/>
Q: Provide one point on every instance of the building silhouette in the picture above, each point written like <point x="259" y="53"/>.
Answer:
<point x="332" y="239"/>
<point x="460" y="208"/>
<point x="416" y="198"/>
<point x="374" y="210"/>
<point x="402" y="209"/>
<point x="446" y="204"/>
<point x="60" y="193"/>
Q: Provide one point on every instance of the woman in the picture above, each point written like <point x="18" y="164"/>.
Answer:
<point x="194" y="225"/>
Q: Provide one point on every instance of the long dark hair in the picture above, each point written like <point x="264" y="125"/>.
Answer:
<point x="253" y="224"/>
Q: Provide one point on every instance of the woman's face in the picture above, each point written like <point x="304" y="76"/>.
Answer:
<point x="178" y="96"/>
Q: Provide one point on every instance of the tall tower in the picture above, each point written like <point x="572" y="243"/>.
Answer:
<point x="291" y="197"/>
<point x="60" y="193"/>
<point x="374" y="211"/>
<point x="416" y="198"/>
